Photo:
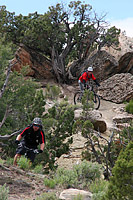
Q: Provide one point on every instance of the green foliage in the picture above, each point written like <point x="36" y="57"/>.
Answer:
<point x="47" y="196"/>
<point x="87" y="101"/>
<point x="120" y="184"/>
<point x="24" y="163"/>
<point x="6" y="53"/>
<point x="104" y="153"/>
<point x="1" y="161"/>
<point x="52" y="92"/>
<point x="38" y="169"/>
<point x="51" y="183"/>
<point x="9" y="161"/>
<point x="50" y="32"/>
<point x="23" y="101"/>
<point x="80" y="176"/>
<point x="129" y="107"/>
<point x="126" y="135"/>
<point x="58" y="124"/>
<point x="88" y="171"/>
<point x="4" y="191"/>
<point x="38" y="106"/>
<point x="98" y="188"/>
<point x="111" y="36"/>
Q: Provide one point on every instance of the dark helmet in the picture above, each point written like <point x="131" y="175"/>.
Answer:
<point x="37" y="121"/>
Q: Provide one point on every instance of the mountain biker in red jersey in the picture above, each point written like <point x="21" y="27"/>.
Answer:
<point x="31" y="137"/>
<point x="85" y="77"/>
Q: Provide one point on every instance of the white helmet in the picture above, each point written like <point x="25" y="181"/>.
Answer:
<point x="90" y="69"/>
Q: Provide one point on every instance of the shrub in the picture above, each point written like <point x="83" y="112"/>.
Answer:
<point x="120" y="185"/>
<point x="4" y="192"/>
<point x="24" y="163"/>
<point x="47" y="196"/>
<point x="1" y="161"/>
<point x="88" y="171"/>
<point x="80" y="176"/>
<point x="98" y="188"/>
<point x="66" y="177"/>
<point x="9" y="161"/>
<point x="38" y="169"/>
<point x="51" y="183"/>
<point x="129" y="107"/>
<point x="52" y="92"/>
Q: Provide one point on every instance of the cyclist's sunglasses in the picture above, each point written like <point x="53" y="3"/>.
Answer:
<point x="36" y="125"/>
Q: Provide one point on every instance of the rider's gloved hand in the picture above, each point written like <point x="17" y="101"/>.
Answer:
<point x="17" y="142"/>
<point x="20" y="145"/>
<point x="97" y="83"/>
<point x="38" y="151"/>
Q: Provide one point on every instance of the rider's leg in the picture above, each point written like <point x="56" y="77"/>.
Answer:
<point x="15" y="159"/>
<point x="19" y="151"/>
<point x="81" y="86"/>
<point x="31" y="156"/>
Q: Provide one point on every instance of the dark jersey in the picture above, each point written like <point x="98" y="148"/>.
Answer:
<point x="32" y="138"/>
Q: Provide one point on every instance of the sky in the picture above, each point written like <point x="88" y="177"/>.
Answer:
<point x="118" y="13"/>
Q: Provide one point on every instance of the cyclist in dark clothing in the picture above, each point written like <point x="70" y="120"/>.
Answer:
<point x="31" y="137"/>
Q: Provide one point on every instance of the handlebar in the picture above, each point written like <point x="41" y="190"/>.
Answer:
<point x="36" y="151"/>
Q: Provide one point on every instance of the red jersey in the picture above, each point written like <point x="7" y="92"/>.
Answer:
<point x="85" y="76"/>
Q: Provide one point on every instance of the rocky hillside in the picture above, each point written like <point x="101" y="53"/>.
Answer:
<point x="106" y="63"/>
<point x="125" y="46"/>
<point x="21" y="182"/>
<point x="114" y="70"/>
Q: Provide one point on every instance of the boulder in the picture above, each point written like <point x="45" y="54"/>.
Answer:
<point x="95" y="117"/>
<point x="39" y="66"/>
<point x="126" y="63"/>
<point x="118" y="88"/>
<point x="69" y="194"/>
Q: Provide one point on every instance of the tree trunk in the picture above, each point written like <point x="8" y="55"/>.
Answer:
<point x="58" y="66"/>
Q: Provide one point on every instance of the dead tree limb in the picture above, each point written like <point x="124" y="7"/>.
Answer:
<point x="5" y="116"/>
<point x="7" y="137"/>
<point x="7" y="77"/>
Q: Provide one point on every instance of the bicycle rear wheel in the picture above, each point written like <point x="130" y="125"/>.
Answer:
<point x="96" y="101"/>
<point x="77" y="98"/>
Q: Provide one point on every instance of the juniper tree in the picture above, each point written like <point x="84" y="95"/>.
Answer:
<point x="63" y="34"/>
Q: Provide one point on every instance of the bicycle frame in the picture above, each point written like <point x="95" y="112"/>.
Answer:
<point x="79" y="94"/>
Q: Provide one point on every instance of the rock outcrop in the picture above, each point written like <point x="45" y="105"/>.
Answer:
<point x="118" y="88"/>
<point x="39" y="66"/>
<point x="126" y="63"/>
<point x="106" y="63"/>
<point x="125" y="46"/>
<point x="112" y="60"/>
<point x="95" y="117"/>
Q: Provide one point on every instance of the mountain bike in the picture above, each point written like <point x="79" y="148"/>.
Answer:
<point x="95" y="98"/>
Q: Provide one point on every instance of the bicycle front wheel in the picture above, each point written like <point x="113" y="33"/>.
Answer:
<point x="77" y="98"/>
<point x="96" y="101"/>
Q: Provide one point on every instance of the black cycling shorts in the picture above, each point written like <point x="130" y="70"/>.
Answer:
<point x="29" y="154"/>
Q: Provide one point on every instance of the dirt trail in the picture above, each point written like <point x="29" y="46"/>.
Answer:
<point x="108" y="111"/>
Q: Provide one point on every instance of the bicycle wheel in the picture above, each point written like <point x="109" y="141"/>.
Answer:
<point x="77" y="98"/>
<point x="96" y="101"/>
